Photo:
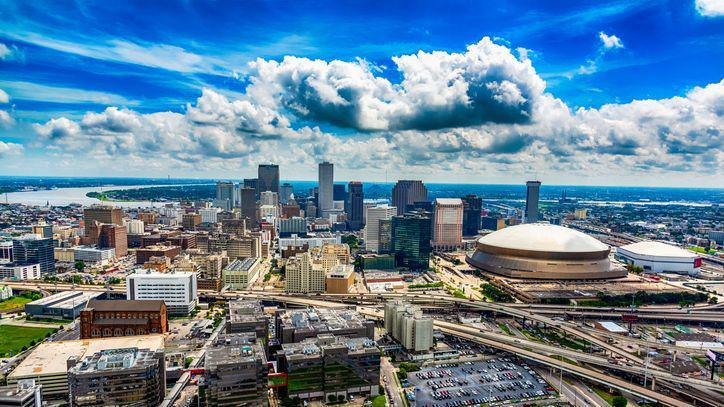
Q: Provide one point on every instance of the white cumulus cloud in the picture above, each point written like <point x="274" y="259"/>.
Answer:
<point x="610" y="41"/>
<point x="710" y="8"/>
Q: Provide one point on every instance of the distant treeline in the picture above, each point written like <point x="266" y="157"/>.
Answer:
<point x="173" y="193"/>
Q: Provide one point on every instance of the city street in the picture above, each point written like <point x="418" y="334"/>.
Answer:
<point x="389" y="382"/>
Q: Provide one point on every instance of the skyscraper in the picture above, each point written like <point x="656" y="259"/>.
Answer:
<point x="531" y="201"/>
<point x="355" y="206"/>
<point x="407" y="192"/>
<point x="285" y="193"/>
<point x="224" y="195"/>
<point x="339" y="192"/>
<point x="372" y="228"/>
<point x="325" y="182"/>
<point x="472" y="205"/>
<point x="32" y="249"/>
<point x="448" y="224"/>
<point x="268" y="178"/>
<point x="248" y="205"/>
<point x="411" y="235"/>
<point x="101" y="214"/>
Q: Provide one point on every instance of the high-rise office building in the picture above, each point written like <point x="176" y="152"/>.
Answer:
<point x="177" y="290"/>
<point x="372" y="228"/>
<point x="326" y="193"/>
<point x="248" y="205"/>
<point x="411" y="235"/>
<point x="252" y="183"/>
<point x="268" y="178"/>
<point x="269" y="198"/>
<point x="118" y="377"/>
<point x="101" y="214"/>
<point x="407" y="192"/>
<point x="531" y="201"/>
<point x="472" y="205"/>
<point x="304" y="276"/>
<point x="355" y="206"/>
<point x="448" y="224"/>
<point x="285" y="193"/>
<point x="32" y="249"/>
<point x="224" y="195"/>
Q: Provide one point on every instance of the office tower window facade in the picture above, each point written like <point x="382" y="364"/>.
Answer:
<point x="268" y="178"/>
<point x="407" y="192"/>
<point x="411" y="235"/>
<point x="177" y="290"/>
<point x="531" y="201"/>
<point x="355" y="206"/>
<point x="285" y="193"/>
<point x="372" y="229"/>
<point x="114" y="237"/>
<point x="472" y="206"/>
<point x="248" y="205"/>
<point x="339" y="192"/>
<point x="448" y="224"/>
<point x="31" y="249"/>
<point x="325" y="183"/>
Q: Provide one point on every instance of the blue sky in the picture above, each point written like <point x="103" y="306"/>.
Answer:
<point x="535" y="64"/>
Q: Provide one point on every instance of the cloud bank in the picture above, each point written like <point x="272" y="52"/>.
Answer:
<point x="471" y="111"/>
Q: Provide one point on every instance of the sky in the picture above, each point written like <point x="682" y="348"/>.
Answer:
<point x="583" y="93"/>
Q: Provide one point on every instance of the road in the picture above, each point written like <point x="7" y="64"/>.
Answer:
<point x="393" y="390"/>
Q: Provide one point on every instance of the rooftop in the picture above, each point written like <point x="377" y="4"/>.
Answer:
<point x="658" y="249"/>
<point x="244" y="264"/>
<point x="316" y="346"/>
<point x="341" y="271"/>
<point x="50" y="358"/>
<point x="322" y="319"/>
<point x="235" y="348"/>
<point x="126" y="305"/>
<point x="66" y="299"/>
<point x="448" y="201"/>
<point x="114" y="360"/>
<point x="543" y="237"/>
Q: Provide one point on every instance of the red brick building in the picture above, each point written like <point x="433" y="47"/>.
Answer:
<point x="144" y="254"/>
<point x="114" y="236"/>
<point x="113" y="318"/>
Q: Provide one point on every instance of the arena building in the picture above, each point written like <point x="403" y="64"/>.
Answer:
<point x="658" y="257"/>
<point x="544" y="251"/>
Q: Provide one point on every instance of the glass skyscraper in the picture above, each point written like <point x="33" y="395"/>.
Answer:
<point x="411" y="234"/>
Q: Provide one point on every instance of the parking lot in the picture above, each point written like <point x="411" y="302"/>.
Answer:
<point x="493" y="382"/>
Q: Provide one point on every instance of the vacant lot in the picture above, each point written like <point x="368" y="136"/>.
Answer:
<point x="14" y="338"/>
<point x="13" y="303"/>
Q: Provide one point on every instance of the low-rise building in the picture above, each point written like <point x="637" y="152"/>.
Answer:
<point x="236" y="372"/>
<point x="177" y="290"/>
<point x="117" y="377"/>
<point x="241" y="273"/>
<point x="47" y="364"/>
<point x="248" y="316"/>
<point x="23" y="394"/>
<point x="63" y="305"/>
<point x="340" y="280"/>
<point x="13" y="271"/>
<point x="299" y="324"/>
<point x="90" y="254"/>
<point x="145" y="253"/>
<point x="5" y="292"/>
<point x="329" y="365"/>
<point x="113" y="318"/>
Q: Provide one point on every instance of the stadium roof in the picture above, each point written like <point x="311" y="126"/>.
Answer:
<point x="543" y="237"/>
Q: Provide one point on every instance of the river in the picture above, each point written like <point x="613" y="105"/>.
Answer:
<point x="67" y="196"/>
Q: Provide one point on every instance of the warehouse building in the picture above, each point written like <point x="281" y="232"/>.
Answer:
<point x="63" y="305"/>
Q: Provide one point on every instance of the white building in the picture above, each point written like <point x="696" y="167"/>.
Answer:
<point x="177" y="290"/>
<point x="407" y="324"/>
<point x="315" y="240"/>
<point x="269" y="198"/>
<point x="326" y="188"/>
<point x="304" y="276"/>
<point x="658" y="257"/>
<point x="448" y="224"/>
<point x="373" y="216"/>
<point x="5" y="292"/>
<point x="209" y="215"/>
<point x="135" y="227"/>
<point x="240" y="274"/>
<point x="19" y="272"/>
<point x="90" y="254"/>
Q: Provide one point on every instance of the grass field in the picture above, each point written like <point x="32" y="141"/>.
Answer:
<point x="13" y="303"/>
<point x="13" y="338"/>
<point x="379" y="401"/>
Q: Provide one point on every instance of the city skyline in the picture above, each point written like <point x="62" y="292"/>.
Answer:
<point x="618" y="93"/>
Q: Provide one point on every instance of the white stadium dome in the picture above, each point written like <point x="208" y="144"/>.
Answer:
<point x="543" y="251"/>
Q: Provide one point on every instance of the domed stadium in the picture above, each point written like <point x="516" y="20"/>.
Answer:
<point x="543" y="251"/>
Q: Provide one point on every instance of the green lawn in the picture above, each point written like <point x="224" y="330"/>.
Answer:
<point x="379" y="401"/>
<point x="13" y="338"/>
<point x="13" y="303"/>
<point x="505" y="329"/>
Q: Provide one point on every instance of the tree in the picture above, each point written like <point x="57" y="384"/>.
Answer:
<point x="79" y="265"/>
<point x="332" y="398"/>
<point x="713" y="300"/>
<point x="619" y="401"/>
